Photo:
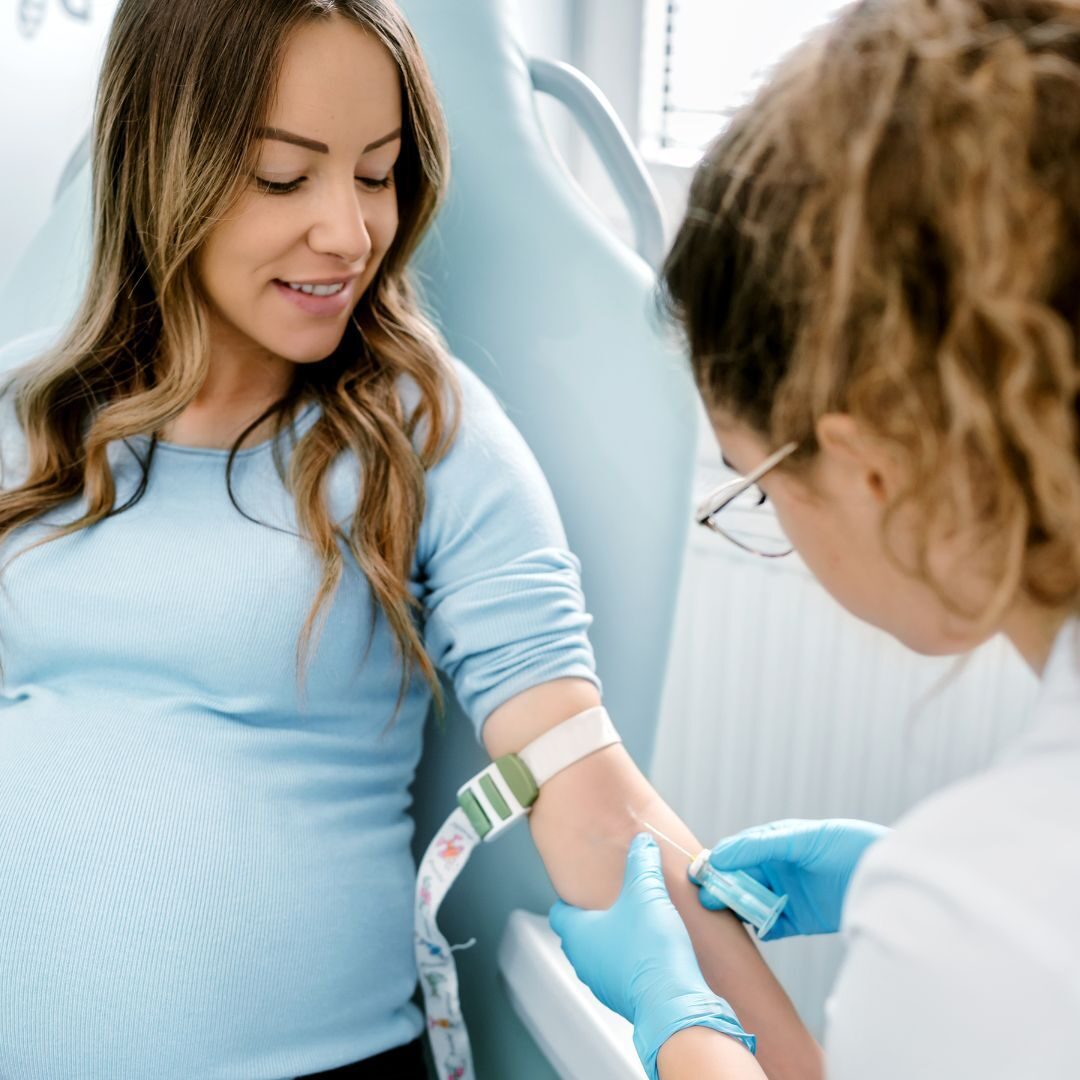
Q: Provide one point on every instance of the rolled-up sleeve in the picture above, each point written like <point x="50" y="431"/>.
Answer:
<point x="503" y="604"/>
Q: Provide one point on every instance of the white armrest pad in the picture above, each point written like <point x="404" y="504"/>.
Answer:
<point x="582" y="1039"/>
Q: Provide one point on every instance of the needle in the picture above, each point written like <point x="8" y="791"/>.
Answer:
<point x="663" y="836"/>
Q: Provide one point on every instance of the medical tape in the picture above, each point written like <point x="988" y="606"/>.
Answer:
<point x="496" y="798"/>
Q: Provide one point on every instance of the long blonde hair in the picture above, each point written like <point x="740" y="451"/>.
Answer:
<point x="183" y="92"/>
<point x="891" y="229"/>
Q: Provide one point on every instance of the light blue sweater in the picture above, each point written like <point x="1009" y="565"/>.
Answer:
<point x="201" y="875"/>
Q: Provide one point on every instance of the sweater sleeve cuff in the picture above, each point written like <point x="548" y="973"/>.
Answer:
<point x="717" y="1014"/>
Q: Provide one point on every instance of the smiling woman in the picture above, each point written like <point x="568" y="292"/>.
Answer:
<point x="304" y="241"/>
<point x="218" y="880"/>
<point x="203" y="291"/>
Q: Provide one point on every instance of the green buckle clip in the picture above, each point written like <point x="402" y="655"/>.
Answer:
<point x="499" y="796"/>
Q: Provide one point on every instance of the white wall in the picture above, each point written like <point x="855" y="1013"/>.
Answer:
<point x="547" y="27"/>
<point x="50" y="54"/>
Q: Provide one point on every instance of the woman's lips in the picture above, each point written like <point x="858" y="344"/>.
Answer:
<point x="318" y="305"/>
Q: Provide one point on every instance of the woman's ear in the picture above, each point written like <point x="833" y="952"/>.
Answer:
<point x="860" y="460"/>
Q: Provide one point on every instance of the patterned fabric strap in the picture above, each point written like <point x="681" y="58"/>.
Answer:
<point x="488" y="804"/>
<point x="444" y="859"/>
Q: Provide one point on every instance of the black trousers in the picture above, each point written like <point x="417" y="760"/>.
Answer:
<point x="401" y="1063"/>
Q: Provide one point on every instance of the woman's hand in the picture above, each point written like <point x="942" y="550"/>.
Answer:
<point x="637" y="958"/>
<point x="811" y="861"/>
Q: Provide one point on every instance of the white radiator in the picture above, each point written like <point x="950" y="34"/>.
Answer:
<point x="780" y="704"/>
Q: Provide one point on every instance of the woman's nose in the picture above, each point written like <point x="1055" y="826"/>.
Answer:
<point x="341" y="229"/>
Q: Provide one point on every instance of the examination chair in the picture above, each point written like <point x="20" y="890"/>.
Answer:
<point x="557" y="315"/>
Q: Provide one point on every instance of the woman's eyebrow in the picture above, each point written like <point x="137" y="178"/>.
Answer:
<point x="319" y="147"/>
<point x="395" y="134"/>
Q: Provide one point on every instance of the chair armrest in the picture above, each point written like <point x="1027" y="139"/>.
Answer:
<point x="582" y="1039"/>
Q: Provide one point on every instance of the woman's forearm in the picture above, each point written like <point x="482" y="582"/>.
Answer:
<point x="733" y="966"/>
<point x="698" y="1053"/>
<point x="582" y="824"/>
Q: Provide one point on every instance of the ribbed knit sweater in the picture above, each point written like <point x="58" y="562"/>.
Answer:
<point x="203" y="874"/>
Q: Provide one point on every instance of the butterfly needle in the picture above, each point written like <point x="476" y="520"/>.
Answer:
<point x="664" y="836"/>
<point x="746" y="896"/>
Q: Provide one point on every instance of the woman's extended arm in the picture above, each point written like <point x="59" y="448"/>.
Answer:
<point x="582" y="825"/>
<point x="697" y="1053"/>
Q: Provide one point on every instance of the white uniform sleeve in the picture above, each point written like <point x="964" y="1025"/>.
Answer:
<point x="946" y="980"/>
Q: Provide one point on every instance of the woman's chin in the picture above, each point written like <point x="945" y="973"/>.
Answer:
<point x="307" y="348"/>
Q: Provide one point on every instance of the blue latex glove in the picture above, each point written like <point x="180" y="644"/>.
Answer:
<point x="811" y="861"/>
<point x="637" y="958"/>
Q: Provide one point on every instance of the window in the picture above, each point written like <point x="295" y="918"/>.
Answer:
<point x="701" y="58"/>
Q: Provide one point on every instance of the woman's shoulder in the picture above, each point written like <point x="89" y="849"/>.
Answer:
<point x="482" y="443"/>
<point x="483" y="430"/>
<point x="464" y="396"/>
<point x="488" y="479"/>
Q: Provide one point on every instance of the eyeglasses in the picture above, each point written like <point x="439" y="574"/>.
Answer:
<point x="746" y="527"/>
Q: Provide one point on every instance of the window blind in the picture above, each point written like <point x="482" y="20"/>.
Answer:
<point x="713" y="55"/>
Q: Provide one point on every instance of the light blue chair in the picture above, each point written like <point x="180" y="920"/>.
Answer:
<point x="558" y="317"/>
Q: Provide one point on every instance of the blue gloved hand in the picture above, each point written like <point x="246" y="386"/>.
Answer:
<point x="637" y="958"/>
<point x="811" y="861"/>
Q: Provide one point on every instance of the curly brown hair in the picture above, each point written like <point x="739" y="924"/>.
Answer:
<point x="891" y="229"/>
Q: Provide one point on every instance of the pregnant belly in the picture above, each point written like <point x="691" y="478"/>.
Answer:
<point x="180" y="897"/>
